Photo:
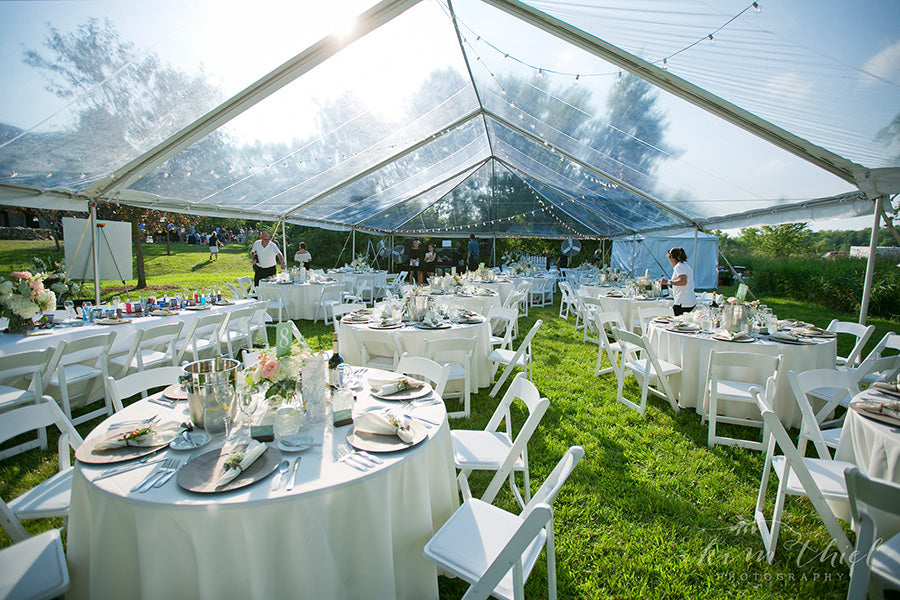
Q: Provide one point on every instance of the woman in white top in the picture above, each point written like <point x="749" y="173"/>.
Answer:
<point x="682" y="282"/>
<point x="303" y="256"/>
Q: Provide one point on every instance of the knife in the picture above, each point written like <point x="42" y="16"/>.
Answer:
<point x="292" y="476"/>
<point x="127" y="468"/>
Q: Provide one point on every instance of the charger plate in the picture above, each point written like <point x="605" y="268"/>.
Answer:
<point x="86" y="453"/>
<point x="200" y="474"/>
<point x="864" y="409"/>
<point x="372" y="442"/>
<point x="410" y="394"/>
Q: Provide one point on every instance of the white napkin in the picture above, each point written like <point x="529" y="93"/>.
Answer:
<point x="248" y="456"/>
<point x="384" y="423"/>
<point x="150" y="436"/>
<point x="783" y="335"/>
<point x="739" y="335"/>
<point x="386" y="387"/>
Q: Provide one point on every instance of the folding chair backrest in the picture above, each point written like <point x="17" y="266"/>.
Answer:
<point x="503" y="321"/>
<point x="646" y="313"/>
<point x="862" y="333"/>
<point x="95" y="346"/>
<point x="513" y="300"/>
<point x="31" y="417"/>
<point x="879" y="366"/>
<point x="451" y="350"/>
<point x="840" y="384"/>
<point x="419" y="366"/>
<point x="866" y="494"/>
<point x="744" y="367"/>
<point x="298" y="336"/>
<point x="118" y="390"/>
<point x="19" y="369"/>
<point x="551" y="487"/>
<point x="236" y="292"/>
<point x="11" y="524"/>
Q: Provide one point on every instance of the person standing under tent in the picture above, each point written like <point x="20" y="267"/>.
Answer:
<point x="472" y="253"/>
<point x="682" y="282"/>
<point x="430" y="259"/>
<point x="265" y="256"/>
<point x="213" y="241"/>
<point x="302" y="256"/>
<point x="416" y="255"/>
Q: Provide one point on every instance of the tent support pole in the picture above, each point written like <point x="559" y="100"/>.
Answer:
<point x="870" y="265"/>
<point x="353" y="248"/>
<point x="694" y="257"/>
<point x="284" y="248"/>
<point x="95" y="253"/>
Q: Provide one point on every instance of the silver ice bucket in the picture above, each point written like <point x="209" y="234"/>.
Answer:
<point x="735" y="317"/>
<point x="210" y="386"/>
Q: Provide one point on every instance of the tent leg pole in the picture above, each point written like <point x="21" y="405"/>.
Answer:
<point x="95" y="252"/>
<point x="870" y="265"/>
<point x="284" y="248"/>
<point x="353" y="255"/>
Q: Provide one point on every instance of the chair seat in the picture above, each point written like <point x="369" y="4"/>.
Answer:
<point x="491" y="528"/>
<point x="148" y="358"/>
<point x="832" y="437"/>
<point x="886" y="561"/>
<point x="34" y="568"/>
<point x="504" y="356"/>
<point x="76" y="372"/>
<point x="481" y="450"/>
<point x="623" y="347"/>
<point x="826" y="395"/>
<point x="10" y="395"/>
<point x="50" y="498"/>
<point x="643" y="367"/>
<point x="736" y="390"/>
<point x="381" y="362"/>
<point x="829" y="476"/>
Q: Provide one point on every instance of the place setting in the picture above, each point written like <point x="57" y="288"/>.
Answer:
<point x="228" y="468"/>
<point x="384" y="429"/>
<point x="401" y="389"/>
<point x="128" y="440"/>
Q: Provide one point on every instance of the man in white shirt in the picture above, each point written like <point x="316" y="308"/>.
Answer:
<point x="265" y="256"/>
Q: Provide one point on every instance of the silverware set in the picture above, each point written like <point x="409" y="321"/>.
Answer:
<point x="358" y="459"/>
<point x="133" y="423"/>
<point x="167" y="468"/>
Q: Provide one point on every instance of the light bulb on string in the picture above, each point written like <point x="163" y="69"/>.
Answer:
<point x="712" y="40"/>
<point x="540" y="74"/>
<point x="756" y="8"/>
<point x="577" y="77"/>
<point x="665" y="65"/>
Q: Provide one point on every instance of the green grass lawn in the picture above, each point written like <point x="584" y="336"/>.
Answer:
<point x="651" y="511"/>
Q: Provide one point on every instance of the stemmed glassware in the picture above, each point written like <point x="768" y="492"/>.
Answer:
<point x="70" y="309"/>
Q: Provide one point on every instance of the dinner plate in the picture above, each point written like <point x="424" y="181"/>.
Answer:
<point x="380" y="326"/>
<point x="470" y="321"/>
<point x="410" y="394"/>
<point x="175" y="392"/>
<point x="740" y="340"/>
<point x="863" y="409"/>
<point x="684" y="329"/>
<point x="86" y="453"/>
<point x="355" y="319"/>
<point x="442" y="325"/>
<point x="198" y="439"/>
<point x="372" y="442"/>
<point x="111" y="321"/>
<point x="200" y="474"/>
<point x="163" y="313"/>
<point x="663" y="320"/>
<point x="223" y="303"/>
<point x="785" y="340"/>
<point x="198" y="307"/>
<point x="302" y="442"/>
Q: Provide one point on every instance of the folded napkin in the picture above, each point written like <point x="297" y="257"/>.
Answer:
<point x="783" y="335"/>
<point x="146" y="435"/>
<point x="886" y="387"/>
<point x="738" y="335"/>
<point x="396" y="386"/>
<point x="384" y="423"/>
<point x="240" y="461"/>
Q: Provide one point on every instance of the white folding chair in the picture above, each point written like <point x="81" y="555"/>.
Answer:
<point x="21" y="382"/>
<point x="536" y="295"/>
<point x="731" y="377"/>
<point x="119" y="390"/>
<point x="295" y="331"/>
<point x="50" y="498"/>
<point x="503" y="323"/>
<point x="397" y="282"/>
<point x="566" y="300"/>
<point x="247" y="288"/>
<point x="820" y="480"/>
<point x="879" y="366"/>
<point x="76" y="374"/>
<point x="516" y="300"/>
<point x="33" y="568"/>
<point x="278" y="306"/>
<point x="616" y="352"/>
<point x="647" y="369"/>
<point x="328" y="299"/>
<point x="841" y="387"/>
<point x="235" y="333"/>
<point x="151" y="347"/>
<point x="456" y="353"/>
<point x="494" y="550"/>
<point x="523" y="357"/>
<point x="258" y="323"/>
<point x="503" y="452"/>
<point x="524" y="288"/>
<point x="201" y="337"/>
<point x="379" y="350"/>
<point x="578" y="300"/>
<point x="590" y="307"/>
<point x="862" y="333"/>
<point x="424" y="368"/>
<point x="236" y="292"/>
<point x="648" y="313"/>
<point x="873" y="555"/>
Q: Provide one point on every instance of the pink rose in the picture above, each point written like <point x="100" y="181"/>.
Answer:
<point x="21" y="274"/>
<point x="36" y="285"/>
<point x="268" y="369"/>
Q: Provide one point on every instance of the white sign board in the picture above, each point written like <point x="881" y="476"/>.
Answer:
<point x="114" y="241"/>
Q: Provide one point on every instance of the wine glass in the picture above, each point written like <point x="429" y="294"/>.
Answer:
<point x="247" y="403"/>
<point x="70" y="309"/>
<point x="86" y="308"/>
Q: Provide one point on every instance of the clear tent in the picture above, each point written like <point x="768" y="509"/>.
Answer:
<point x="452" y="117"/>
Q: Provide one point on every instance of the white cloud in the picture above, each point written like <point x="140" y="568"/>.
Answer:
<point x="885" y="64"/>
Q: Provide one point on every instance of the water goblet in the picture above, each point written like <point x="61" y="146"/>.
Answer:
<point x="70" y="309"/>
<point x="86" y="310"/>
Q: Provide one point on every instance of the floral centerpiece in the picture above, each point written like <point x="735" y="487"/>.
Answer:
<point x="23" y="298"/>
<point x="279" y="375"/>
<point x="360" y="262"/>
<point x="60" y="284"/>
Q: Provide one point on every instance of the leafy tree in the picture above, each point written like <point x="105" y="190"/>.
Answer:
<point x="785" y="239"/>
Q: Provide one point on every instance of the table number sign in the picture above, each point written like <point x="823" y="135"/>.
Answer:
<point x="741" y="293"/>
<point x="283" y="339"/>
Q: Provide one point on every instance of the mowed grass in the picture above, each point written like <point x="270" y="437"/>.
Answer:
<point x="651" y="511"/>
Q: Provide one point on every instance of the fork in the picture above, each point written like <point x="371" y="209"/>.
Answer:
<point x="133" y="422"/>
<point x="166" y="466"/>
<point x="345" y="455"/>
<point x="167" y="475"/>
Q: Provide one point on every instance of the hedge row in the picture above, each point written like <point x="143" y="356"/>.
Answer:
<point x="837" y="284"/>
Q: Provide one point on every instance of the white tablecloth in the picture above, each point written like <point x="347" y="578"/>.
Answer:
<point x="691" y="353"/>
<point x="871" y="445"/>
<point x="476" y="303"/>
<point x="504" y="288"/>
<point x="125" y="332"/>
<point x="412" y="340"/>
<point x="340" y="533"/>
<point x="628" y="307"/>
<point x="300" y="298"/>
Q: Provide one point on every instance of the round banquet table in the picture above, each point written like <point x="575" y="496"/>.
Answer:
<point x="125" y="332"/>
<point x="503" y="287"/>
<point x="480" y="303"/>
<point x="691" y="351"/>
<point x="299" y="298"/>
<point x="628" y="306"/>
<point x="340" y="533"/>
<point x="873" y="446"/>
<point x="412" y="340"/>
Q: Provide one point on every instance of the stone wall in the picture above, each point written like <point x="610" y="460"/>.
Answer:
<point x="24" y="233"/>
